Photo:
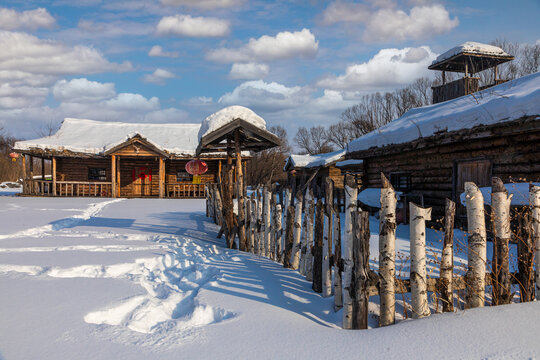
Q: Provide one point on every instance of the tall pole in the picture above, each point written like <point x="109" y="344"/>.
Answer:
<point x="242" y="244"/>
<point x="113" y="175"/>
<point x="53" y="176"/>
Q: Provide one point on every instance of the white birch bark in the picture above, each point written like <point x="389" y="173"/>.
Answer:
<point x="303" y="245"/>
<point x="295" y="253"/>
<point x="267" y="221"/>
<point x="277" y="233"/>
<point x="419" y="299"/>
<point x="247" y="211"/>
<point x="259" y="226"/>
<point x="387" y="253"/>
<point x="326" y="270"/>
<point x="534" y="203"/>
<point x="309" y="235"/>
<point x="286" y="202"/>
<point x="477" y="246"/>
<point x="351" y="198"/>
<point x="338" y="293"/>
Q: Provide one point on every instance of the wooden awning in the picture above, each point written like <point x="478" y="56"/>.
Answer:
<point x="252" y="138"/>
<point x="471" y="62"/>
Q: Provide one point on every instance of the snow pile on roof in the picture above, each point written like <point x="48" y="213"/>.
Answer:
<point x="372" y="197"/>
<point x="471" y="47"/>
<point x="227" y="115"/>
<point x="519" y="192"/>
<point x="505" y="102"/>
<point x="96" y="137"/>
<point x="349" y="162"/>
<point x="311" y="161"/>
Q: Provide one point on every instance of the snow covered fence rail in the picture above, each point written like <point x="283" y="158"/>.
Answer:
<point x="303" y="232"/>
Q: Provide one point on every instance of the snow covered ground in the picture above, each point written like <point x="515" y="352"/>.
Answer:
<point x="147" y="278"/>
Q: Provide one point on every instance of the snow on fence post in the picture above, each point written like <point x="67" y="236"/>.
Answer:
<point x="360" y="293"/>
<point x="338" y="263"/>
<point x="327" y="237"/>
<point x="318" y="247"/>
<point x="309" y="236"/>
<point x="297" y="231"/>
<point x="351" y="198"/>
<point x="447" y="258"/>
<point x="500" y="216"/>
<point x="277" y="233"/>
<point x="267" y="222"/>
<point x="534" y="203"/>
<point x="387" y="253"/>
<point x="419" y="300"/>
<point x="476" y="258"/>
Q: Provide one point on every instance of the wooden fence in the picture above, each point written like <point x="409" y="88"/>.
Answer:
<point x="303" y="232"/>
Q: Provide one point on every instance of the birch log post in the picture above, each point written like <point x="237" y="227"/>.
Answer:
<point x="534" y="203"/>
<point x="417" y="221"/>
<point x="303" y="238"/>
<point x="351" y="198"/>
<point x="267" y="222"/>
<point x="447" y="258"/>
<point x="309" y="236"/>
<point x="338" y="263"/>
<point x="326" y="270"/>
<point x="277" y="233"/>
<point x="500" y="207"/>
<point x="219" y="209"/>
<point x="295" y="251"/>
<point x="476" y="246"/>
<point x="289" y="230"/>
<point x="387" y="253"/>
<point x="273" y="204"/>
<point x="360" y="295"/>
<point x="259" y="226"/>
<point x="286" y="202"/>
<point x="525" y="256"/>
<point x="318" y="247"/>
<point x="253" y="222"/>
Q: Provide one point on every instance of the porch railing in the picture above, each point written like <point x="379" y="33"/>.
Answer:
<point x="68" y="188"/>
<point x="179" y="190"/>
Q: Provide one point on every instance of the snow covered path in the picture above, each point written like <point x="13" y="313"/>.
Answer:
<point x="144" y="278"/>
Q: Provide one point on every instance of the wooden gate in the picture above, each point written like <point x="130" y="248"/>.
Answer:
<point x="142" y="181"/>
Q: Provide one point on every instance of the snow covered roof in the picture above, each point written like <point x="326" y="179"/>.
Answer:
<point x="312" y="161"/>
<point x="96" y="137"/>
<point x="350" y="162"/>
<point x="502" y="103"/>
<point x="481" y="56"/>
<point x="228" y="115"/>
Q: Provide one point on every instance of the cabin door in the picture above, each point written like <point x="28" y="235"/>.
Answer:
<point x="142" y="181"/>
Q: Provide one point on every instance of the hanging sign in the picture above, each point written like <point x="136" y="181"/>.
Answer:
<point x="196" y="167"/>
<point x="196" y="179"/>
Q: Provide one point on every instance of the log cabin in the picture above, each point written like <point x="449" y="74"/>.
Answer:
<point x="116" y="159"/>
<point x="430" y="152"/>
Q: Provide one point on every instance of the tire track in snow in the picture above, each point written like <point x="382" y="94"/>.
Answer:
<point x="38" y="231"/>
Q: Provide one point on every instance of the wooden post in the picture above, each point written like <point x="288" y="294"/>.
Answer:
<point x="286" y="202"/>
<point x="303" y="243"/>
<point x="309" y="235"/>
<point x="277" y="233"/>
<point x="338" y="263"/>
<point x="113" y="176"/>
<point x="267" y="221"/>
<point x="500" y="217"/>
<point x="525" y="256"/>
<point x="219" y="172"/>
<point x="477" y="246"/>
<point x="351" y="198"/>
<point x="273" y="227"/>
<point x="240" y="193"/>
<point x="318" y="248"/>
<point x="25" y="180"/>
<point x="248" y="224"/>
<point x="162" y="178"/>
<point x="387" y="253"/>
<point x="228" y="206"/>
<point x="447" y="258"/>
<point x="295" y="252"/>
<point x="417" y="221"/>
<point x="289" y="226"/>
<point x="360" y="294"/>
<point x="118" y="178"/>
<point x="31" y="183"/>
<point x="53" y="164"/>
<point x="327" y="237"/>
<point x="534" y="203"/>
<point x="42" y="168"/>
<point x="258" y="236"/>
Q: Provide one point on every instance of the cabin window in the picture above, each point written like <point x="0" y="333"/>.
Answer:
<point x="184" y="176"/>
<point x="477" y="171"/>
<point x="97" y="174"/>
<point x="401" y="181"/>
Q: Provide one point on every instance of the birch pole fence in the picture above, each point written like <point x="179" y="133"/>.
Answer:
<point x="351" y="198"/>
<point x="387" y="253"/>
<point x="447" y="258"/>
<point x="419" y="299"/>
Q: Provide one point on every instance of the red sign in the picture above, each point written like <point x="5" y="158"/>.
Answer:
<point x="196" y="167"/>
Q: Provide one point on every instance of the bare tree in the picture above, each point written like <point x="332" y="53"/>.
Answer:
<point x="267" y="165"/>
<point x="313" y="140"/>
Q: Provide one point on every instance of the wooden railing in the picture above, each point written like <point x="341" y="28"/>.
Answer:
<point x="68" y="188"/>
<point x="179" y="190"/>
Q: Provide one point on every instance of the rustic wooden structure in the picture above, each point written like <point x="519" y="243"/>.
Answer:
<point x="118" y="160"/>
<point x="469" y="59"/>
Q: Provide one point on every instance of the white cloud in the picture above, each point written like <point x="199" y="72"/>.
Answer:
<point x="158" y="77"/>
<point x="200" y="101"/>
<point x="88" y="28"/>
<point x="29" y="54"/>
<point x="21" y="96"/>
<point x="388" y="69"/>
<point x="397" y="25"/>
<point x="248" y="71"/>
<point x="132" y="102"/>
<point x="187" y="26"/>
<point x="204" y="4"/>
<point x="383" y="21"/>
<point x="284" y="45"/>
<point x="82" y="91"/>
<point x="30" y="19"/>
<point x="157" y="50"/>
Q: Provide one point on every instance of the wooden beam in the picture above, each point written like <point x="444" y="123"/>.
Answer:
<point x="42" y="168"/>
<point x="161" y="178"/>
<point x="219" y="172"/>
<point x="53" y="173"/>
<point x="113" y="175"/>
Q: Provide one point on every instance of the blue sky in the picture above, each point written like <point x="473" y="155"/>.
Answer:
<point x="295" y="63"/>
